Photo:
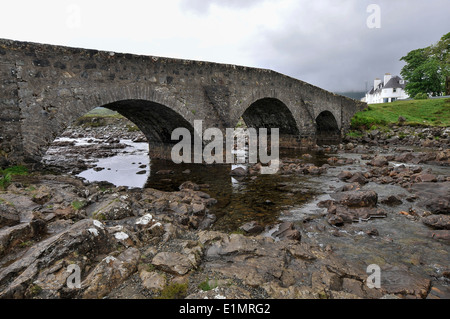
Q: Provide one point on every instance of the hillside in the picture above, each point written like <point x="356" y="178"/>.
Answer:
<point x="432" y="112"/>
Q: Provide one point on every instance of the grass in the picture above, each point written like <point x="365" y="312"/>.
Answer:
<point x="174" y="291"/>
<point x="7" y="174"/>
<point x="432" y="112"/>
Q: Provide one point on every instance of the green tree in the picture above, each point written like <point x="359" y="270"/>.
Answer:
<point x="428" y="69"/>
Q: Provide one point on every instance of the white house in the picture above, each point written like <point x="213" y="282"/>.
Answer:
<point x="389" y="90"/>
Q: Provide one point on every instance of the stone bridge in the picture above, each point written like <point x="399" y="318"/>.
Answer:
<point x="45" y="88"/>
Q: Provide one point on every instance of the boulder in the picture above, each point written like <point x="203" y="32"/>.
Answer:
<point x="437" y="221"/>
<point x="287" y="230"/>
<point x="173" y="262"/>
<point x="110" y="273"/>
<point x="359" y="198"/>
<point x="252" y="227"/>
<point x="238" y="171"/>
<point x="378" y="161"/>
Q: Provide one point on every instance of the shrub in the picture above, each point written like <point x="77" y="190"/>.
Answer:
<point x="421" y="96"/>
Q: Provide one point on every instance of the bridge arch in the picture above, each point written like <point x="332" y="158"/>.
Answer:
<point x="154" y="114"/>
<point x="271" y="113"/>
<point x="327" y="128"/>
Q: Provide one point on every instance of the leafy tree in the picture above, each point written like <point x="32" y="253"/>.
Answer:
<point x="428" y="69"/>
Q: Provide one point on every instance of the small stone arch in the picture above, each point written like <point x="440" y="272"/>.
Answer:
<point x="327" y="128"/>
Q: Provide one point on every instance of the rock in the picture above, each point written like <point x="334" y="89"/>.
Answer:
<point x="174" y="263"/>
<point x="426" y="178"/>
<point x="87" y="238"/>
<point x="373" y="232"/>
<point x="442" y="234"/>
<point x="238" y="171"/>
<point x="152" y="280"/>
<point x="252" y="227"/>
<point x="359" y="199"/>
<point x="345" y="175"/>
<point x="142" y="172"/>
<point x="165" y="172"/>
<point x="110" y="273"/>
<point x="19" y="234"/>
<point x="189" y="185"/>
<point x="287" y="230"/>
<point x="437" y="221"/>
<point x="42" y="195"/>
<point x="433" y="196"/>
<point x="9" y="216"/>
<point x="392" y="200"/>
<point x="401" y="119"/>
<point x="359" y="178"/>
<point x="400" y="280"/>
<point x="378" y="161"/>
<point x="113" y="209"/>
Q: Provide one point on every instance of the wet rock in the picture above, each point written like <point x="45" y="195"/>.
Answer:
<point x="378" y="161"/>
<point x="287" y="230"/>
<point x="110" y="273"/>
<point x="359" y="178"/>
<point x="345" y="175"/>
<point x="433" y="196"/>
<point x="238" y="171"/>
<point x="189" y="185"/>
<point x="437" y="221"/>
<point x="252" y="227"/>
<point x="373" y="232"/>
<point x="400" y="280"/>
<point x="165" y="172"/>
<point x="443" y="234"/>
<point x="358" y="198"/>
<point x="392" y="200"/>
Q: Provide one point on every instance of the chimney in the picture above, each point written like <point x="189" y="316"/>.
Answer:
<point x="376" y="83"/>
<point x="387" y="77"/>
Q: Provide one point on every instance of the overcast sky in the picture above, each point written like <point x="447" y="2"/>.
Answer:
<point x="327" y="43"/>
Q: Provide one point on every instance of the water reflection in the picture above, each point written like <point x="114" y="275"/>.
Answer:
<point x="240" y="199"/>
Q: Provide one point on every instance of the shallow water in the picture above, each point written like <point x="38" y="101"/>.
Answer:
<point x="270" y="199"/>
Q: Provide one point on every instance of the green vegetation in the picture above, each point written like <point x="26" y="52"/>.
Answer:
<point x="77" y="205"/>
<point x="174" y="291"/>
<point x="7" y="174"/>
<point x="206" y="285"/>
<point x="432" y="112"/>
<point x="427" y="70"/>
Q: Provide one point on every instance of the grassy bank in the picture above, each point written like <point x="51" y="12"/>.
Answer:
<point x="432" y="112"/>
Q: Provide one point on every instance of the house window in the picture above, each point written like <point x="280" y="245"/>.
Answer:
<point x="385" y="100"/>
<point x="394" y="90"/>
<point x="393" y="99"/>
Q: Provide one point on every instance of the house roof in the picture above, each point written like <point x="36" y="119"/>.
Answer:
<point x="394" y="83"/>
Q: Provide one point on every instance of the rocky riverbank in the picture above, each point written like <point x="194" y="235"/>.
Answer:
<point x="381" y="203"/>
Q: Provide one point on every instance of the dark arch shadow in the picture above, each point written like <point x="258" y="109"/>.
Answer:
<point x="271" y="113"/>
<point x="155" y="120"/>
<point x="327" y="129"/>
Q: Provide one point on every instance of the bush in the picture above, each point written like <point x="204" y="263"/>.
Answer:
<point x="421" y="96"/>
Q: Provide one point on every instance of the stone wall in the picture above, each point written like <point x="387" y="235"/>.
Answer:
<point x="45" y="88"/>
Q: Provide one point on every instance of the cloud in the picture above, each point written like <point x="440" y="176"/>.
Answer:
<point x="203" y="6"/>
<point x="327" y="43"/>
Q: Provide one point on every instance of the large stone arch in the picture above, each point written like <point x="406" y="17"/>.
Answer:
<point x="151" y="111"/>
